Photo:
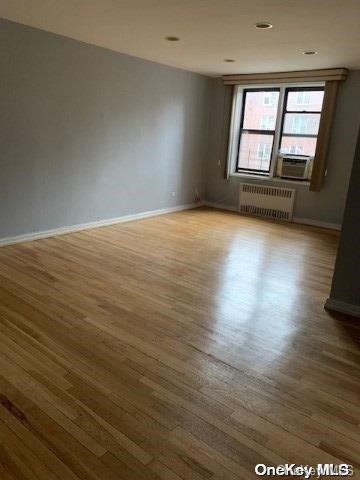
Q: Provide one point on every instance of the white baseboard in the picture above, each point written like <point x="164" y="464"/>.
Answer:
<point x="27" y="237"/>
<point x="220" y="206"/>
<point x="342" y="307"/>
<point x="303" y="221"/>
<point x="317" y="223"/>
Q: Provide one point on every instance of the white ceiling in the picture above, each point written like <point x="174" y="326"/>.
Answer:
<point x="210" y="30"/>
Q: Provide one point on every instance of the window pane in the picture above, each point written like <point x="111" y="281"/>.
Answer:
<point x="255" y="151"/>
<point x="260" y="110"/>
<point x="302" y="123"/>
<point x="305" y="100"/>
<point x="298" y="145"/>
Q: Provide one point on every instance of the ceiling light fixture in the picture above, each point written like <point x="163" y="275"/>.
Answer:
<point x="263" y="25"/>
<point x="229" y="60"/>
<point x="309" y="52"/>
<point x="172" y="39"/>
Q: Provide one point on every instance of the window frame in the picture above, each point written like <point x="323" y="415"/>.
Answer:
<point x="255" y="131"/>
<point x="234" y="131"/>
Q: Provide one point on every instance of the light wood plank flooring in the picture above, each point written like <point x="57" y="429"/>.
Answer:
<point x="186" y="346"/>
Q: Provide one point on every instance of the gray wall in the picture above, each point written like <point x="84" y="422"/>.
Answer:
<point x="346" y="284"/>
<point x="89" y="134"/>
<point x="325" y="206"/>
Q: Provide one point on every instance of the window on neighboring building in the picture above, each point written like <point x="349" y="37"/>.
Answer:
<point x="270" y="98"/>
<point x="295" y="150"/>
<point x="263" y="151"/>
<point x="299" y="125"/>
<point x="303" y="98"/>
<point x="266" y="128"/>
<point x="267" y="122"/>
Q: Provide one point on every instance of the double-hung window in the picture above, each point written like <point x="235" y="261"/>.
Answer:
<point x="273" y="120"/>
<point x="301" y="120"/>
<point x="257" y="129"/>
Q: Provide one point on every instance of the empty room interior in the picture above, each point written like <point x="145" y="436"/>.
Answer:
<point x="179" y="239"/>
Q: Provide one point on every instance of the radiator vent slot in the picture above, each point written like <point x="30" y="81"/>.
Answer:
<point x="263" y="190"/>
<point x="263" y="201"/>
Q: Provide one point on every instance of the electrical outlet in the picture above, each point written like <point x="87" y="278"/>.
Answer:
<point x="197" y="197"/>
<point x="173" y="194"/>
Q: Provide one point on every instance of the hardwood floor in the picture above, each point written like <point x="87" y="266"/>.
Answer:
<point x="186" y="346"/>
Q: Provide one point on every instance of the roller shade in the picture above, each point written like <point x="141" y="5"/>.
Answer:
<point x="332" y="74"/>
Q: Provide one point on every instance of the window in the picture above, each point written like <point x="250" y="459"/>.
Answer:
<point x="263" y="151"/>
<point x="267" y="122"/>
<point x="294" y="150"/>
<point x="270" y="98"/>
<point x="303" y="98"/>
<point x="266" y="128"/>
<point x="300" y="123"/>
<point x="257" y="129"/>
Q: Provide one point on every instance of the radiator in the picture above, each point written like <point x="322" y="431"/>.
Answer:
<point x="264" y="201"/>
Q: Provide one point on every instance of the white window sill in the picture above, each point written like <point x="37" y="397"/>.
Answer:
<point x="267" y="178"/>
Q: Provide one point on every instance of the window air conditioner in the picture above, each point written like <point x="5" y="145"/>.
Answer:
<point x="294" y="166"/>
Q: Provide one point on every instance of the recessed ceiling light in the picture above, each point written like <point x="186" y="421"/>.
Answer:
<point x="229" y="60"/>
<point x="263" y="25"/>
<point x="310" y="52"/>
<point x="172" y="39"/>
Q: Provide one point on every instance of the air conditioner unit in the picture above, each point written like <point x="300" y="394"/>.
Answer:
<point x="294" y="166"/>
